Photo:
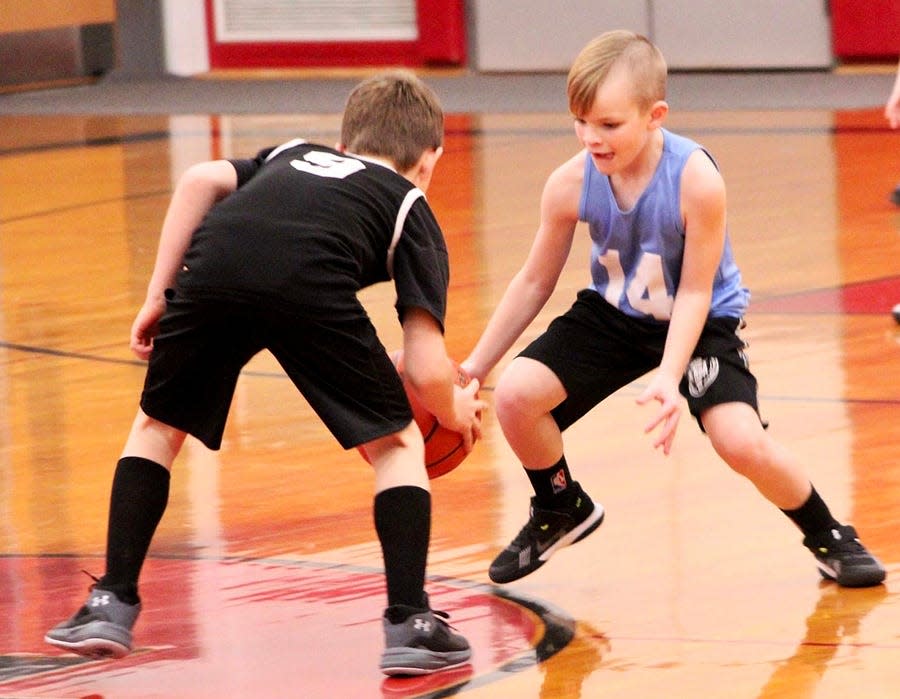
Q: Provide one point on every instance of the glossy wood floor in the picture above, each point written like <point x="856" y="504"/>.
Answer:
<point x="264" y="578"/>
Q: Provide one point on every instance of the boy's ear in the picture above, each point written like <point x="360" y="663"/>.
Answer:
<point x="658" y="112"/>
<point x="431" y="156"/>
<point x="423" y="170"/>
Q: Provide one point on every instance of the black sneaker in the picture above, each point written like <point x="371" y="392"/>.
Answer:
<point x="842" y="558"/>
<point x="419" y="642"/>
<point x="100" y="629"/>
<point x="546" y="532"/>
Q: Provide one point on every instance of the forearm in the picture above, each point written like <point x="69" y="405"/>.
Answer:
<point x="426" y="366"/>
<point x="520" y="304"/>
<point x="895" y="92"/>
<point x="689" y="314"/>
<point x="196" y="193"/>
<point x="892" y="107"/>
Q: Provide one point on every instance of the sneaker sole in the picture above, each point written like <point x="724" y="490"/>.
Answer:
<point x="591" y="522"/>
<point x="418" y="661"/>
<point x="861" y="578"/>
<point x="97" y="648"/>
<point x="98" y="639"/>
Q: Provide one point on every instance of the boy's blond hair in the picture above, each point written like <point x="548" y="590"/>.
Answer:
<point x="393" y="115"/>
<point x="644" y="61"/>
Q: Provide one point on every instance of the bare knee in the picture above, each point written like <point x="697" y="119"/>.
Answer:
<point x="409" y="438"/>
<point x="526" y="390"/>
<point x="510" y="399"/>
<point x="744" y="453"/>
<point x="154" y="440"/>
<point x="739" y="438"/>
<point x="398" y="459"/>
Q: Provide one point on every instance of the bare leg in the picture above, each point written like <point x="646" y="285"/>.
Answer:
<point x="525" y="394"/>
<point x="152" y="440"/>
<point x="740" y="439"/>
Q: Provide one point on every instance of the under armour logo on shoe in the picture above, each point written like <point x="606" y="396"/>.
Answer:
<point x="99" y="601"/>
<point x="422" y="625"/>
<point x="836" y="534"/>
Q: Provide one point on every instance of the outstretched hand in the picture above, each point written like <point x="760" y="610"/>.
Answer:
<point x="666" y="419"/>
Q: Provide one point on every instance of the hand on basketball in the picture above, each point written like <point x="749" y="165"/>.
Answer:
<point x="467" y="408"/>
<point x="666" y="394"/>
<point x="146" y="327"/>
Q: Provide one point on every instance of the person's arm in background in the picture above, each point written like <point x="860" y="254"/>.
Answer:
<point x="892" y="107"/>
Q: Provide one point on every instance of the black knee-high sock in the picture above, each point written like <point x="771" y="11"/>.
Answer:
<point x="551" y="485"/>
<point x="140" y="493"/>
<point x="812" y="516"/>
<point x="403" y="524"/>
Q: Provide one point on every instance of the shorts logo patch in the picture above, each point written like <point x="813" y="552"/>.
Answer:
<point x="701" y="373"/>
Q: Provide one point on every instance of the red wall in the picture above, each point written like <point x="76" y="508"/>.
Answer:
<point x="865" y="29"/>
<point x="441" y="41"/>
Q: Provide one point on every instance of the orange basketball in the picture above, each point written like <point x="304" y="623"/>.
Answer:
<point x="444" y="449"/>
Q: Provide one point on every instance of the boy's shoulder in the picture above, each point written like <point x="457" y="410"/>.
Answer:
<point x="572" y="170"/>
<point x="677" y="142"/>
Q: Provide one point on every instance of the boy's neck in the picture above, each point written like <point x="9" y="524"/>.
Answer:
<point x="375" y="159"/>
<point x="629" y="184"/>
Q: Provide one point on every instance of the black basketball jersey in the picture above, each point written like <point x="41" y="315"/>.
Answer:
<point x="308" y="227"/>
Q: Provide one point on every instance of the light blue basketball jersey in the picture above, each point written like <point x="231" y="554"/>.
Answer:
<point x="636" y="255"/>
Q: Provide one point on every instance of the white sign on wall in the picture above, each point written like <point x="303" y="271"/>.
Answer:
<point x="315" y="20"/>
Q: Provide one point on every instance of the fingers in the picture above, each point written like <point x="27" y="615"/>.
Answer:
<point x="645" y="396"/>
<point x="468" y="441"/>
<point x="141" y="347"/>
<point x="667" y="435"/>
<point x="666" y="420"/>
<point x="476" y="428"/>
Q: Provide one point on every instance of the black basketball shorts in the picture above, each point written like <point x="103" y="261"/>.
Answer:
<point x="595" y="350"/>
<point x="337" y="363"/>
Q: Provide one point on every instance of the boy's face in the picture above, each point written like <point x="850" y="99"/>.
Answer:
<point x="617" y="130"/>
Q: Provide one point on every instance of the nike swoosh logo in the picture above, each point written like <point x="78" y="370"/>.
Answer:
<point x="543" y="546"/>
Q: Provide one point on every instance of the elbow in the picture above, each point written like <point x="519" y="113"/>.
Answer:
<point x="536" y="288"/>
<point x="216" y="179"/>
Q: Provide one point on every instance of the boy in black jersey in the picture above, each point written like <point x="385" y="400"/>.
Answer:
<point x="269" y="253"/>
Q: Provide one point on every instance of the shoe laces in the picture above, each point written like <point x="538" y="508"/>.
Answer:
<point x="92" y="577"/>
<point x="852" y="547"/>
<point x="527" y="534"/>
<point x="443" y="618"/>
<point x="844" y="542"/>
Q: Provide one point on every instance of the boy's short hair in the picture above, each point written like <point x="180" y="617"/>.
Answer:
<point x="393" y="115"/>
<point x="591" y="67"/>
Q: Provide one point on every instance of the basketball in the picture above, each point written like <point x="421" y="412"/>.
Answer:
<point x="444" y="449"/>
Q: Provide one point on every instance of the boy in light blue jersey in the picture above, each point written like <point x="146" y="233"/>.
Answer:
<point x="665" y="294"/>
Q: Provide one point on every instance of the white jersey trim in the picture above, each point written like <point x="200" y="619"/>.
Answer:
<point x="284" y="146"/>
<point x="410" y="198"/>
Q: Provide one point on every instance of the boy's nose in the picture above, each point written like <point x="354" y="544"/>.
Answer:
<point x="591" y="137"/>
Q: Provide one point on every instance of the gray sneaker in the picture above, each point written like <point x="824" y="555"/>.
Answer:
<point x="421" y="643"/>
<point x="100" y="629"/>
